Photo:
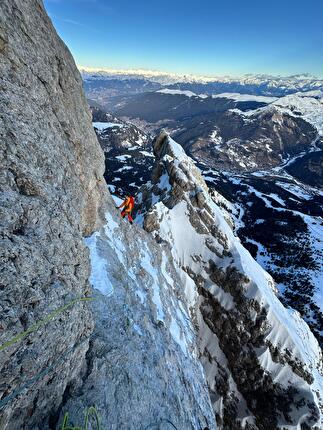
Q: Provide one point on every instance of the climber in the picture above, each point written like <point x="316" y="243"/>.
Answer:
<point x="127" y="205"/>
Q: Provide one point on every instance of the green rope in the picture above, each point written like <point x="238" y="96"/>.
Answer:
<point x="93" y="411"/>
<point x="65" y="421"/>
<point x="42" y="322"/>
<point x="90" y="411"/>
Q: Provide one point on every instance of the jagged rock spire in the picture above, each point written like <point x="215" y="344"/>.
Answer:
<point x="260" y="359"/>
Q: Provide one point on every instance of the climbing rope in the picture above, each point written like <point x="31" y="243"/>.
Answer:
<point x="19" y="337"/>
<point x="42" y="322"/>
<point x="40" y="375"/>
<point x="90" y="412"/>
<point x="93" y="412"/>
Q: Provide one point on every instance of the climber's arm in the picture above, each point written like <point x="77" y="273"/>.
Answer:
<point x="123" y="204"/>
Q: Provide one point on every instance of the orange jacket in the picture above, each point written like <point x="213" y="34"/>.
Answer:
<point x="128" y="204"/>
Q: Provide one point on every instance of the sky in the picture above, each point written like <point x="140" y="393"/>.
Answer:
<point x="206" y="37"/>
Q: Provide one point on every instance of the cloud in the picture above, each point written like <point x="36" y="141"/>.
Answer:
<point x="73" y="22"/>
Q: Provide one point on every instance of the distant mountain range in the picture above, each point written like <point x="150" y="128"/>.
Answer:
<point x="232" y="132"/>
<point x="144" y="80"/>
<point x="263" y="153"/>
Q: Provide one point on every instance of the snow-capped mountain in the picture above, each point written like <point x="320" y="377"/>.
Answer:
<point x="279" y="220"/>
<point x="233" y="131"/>
<point x="254" y="139"/>
<point x="277" y="216"/>
<point x="308" y="105"/>
<point x="112" y="88"/>
<point x="261" y="361"/>
<point x="114" y="133"/>
<point x="264" y="83"/>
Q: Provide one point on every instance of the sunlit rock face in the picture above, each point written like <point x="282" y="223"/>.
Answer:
<point x="51" y="167"/>
<point x="261" y="361"/>
<point x="131" y="350"/>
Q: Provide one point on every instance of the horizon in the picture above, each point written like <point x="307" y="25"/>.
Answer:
<point x="156" y="72"/>
<point x="188" y="39"/>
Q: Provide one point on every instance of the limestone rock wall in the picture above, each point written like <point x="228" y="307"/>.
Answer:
<point x="50" y="191"/>
<point x="131" y="350"/>
<point x="142" y="368"/>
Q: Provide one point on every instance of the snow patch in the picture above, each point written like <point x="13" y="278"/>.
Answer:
<point x="99" y="275"/>
<point x="147" y="265"/>
<point x="245" y="97"/>
<point x="101" y="126"/>
<point x="181" y="92"/>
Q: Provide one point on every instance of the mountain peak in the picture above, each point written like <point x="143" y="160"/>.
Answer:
<point x="227" y="288"/>
<point x="163" y="77"/>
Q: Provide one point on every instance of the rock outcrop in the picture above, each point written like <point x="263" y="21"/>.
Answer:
<point x="51" y="168"/>
<point x="130" y="350"/>
<point x="115" y="134"/>
<point x="261" y="361"/>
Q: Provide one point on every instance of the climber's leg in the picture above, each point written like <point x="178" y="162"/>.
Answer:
<point x="130" y="218"/>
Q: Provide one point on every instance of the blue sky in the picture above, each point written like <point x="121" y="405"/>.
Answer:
<point x="204" y="37"/>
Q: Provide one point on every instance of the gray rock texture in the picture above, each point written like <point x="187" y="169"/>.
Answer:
<point x="51" y="168"/>
<point x="134" y="357"/>
<point x="143" y="369"/>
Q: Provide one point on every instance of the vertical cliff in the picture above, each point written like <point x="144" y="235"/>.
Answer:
<point x="130" y="350"/>
<point x="51" y="167"/>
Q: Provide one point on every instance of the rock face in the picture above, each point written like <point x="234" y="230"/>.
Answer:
<point x="133" y="356"/>
<point x="143" y="369"/>
<point x="51" y="167"/>
<point x="261" y="361"/>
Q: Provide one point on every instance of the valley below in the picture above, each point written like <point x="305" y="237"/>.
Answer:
<point x="204" y="311"/>
<point x="262" y="159"/>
